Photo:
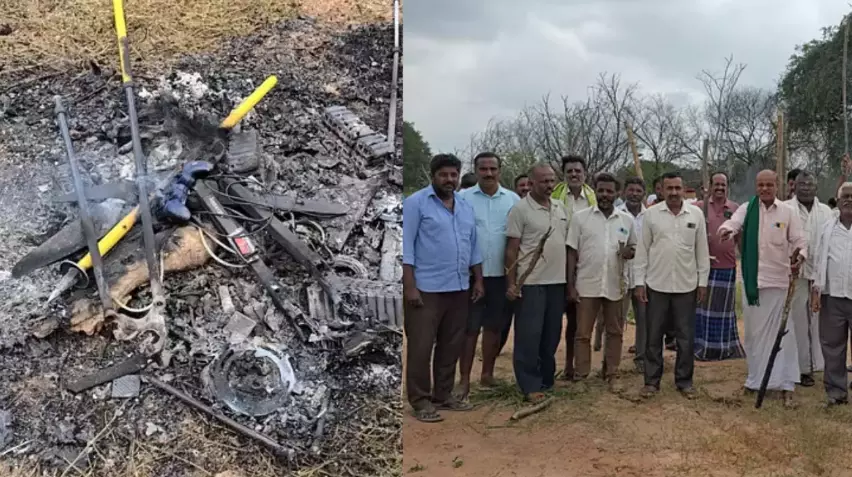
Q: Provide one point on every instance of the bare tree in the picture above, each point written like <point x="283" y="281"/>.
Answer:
<point x="660" y="129"/>
<point x="719" y="88"/>
<point x="549" y="130"/>
<point x="748" y="133"/>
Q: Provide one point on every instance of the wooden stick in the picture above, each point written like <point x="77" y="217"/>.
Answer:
<point x="845" y="111"/>
<point x="530" y="410"/>
<point x="705" y="171"/>
<point x="632" y="140"/>
<point x="779" y="156"/>
<point x="539" y="250"/>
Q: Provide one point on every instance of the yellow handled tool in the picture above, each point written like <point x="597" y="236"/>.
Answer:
<point x="249" y="103"/>
<point x="112" y="237"/>
<point x="106" y="244"/>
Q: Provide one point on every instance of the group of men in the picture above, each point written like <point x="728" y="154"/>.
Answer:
<point x="479" y="258"/>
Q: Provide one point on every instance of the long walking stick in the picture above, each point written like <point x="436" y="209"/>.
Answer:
<point x="156" y="313"/>
<point x="843" y="79"/>
<point x="85" y="216"/>
<point x="782" y="330"/>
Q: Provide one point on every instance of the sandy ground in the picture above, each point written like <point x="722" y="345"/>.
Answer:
<point x="589" y="431"/>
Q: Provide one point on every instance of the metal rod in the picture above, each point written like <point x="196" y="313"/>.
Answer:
<point x="85" y="216"/>
<point x="395" y="75"/>
<point x="234" y="425"/>
<point x="139" y="156"/>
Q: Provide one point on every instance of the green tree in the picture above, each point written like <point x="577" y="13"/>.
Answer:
<point x="811" y="89"/>
<point x="416" y="155"/>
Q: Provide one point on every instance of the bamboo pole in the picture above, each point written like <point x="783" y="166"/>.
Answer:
<point x="705" y="172"/>
<point x="632" y="140"/>
<point x="843" y="73"/>
<point x="779" y="156"/>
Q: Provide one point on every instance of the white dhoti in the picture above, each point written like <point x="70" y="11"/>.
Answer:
<point x="806" y="326"/>
<point x="761" y="328"/>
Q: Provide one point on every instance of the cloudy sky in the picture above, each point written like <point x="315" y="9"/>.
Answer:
<point x="470" y="60"/>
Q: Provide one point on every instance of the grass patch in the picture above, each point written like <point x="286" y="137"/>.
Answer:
<point x="57" y="35"/>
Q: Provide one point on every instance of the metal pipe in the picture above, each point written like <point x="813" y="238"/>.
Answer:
<point x="395" y="75"/>
<point x="85" y="216"/>
<point x="234" y="425"/>
<point x="139" y="156"/>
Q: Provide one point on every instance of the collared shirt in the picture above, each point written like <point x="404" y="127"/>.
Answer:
<point x="812" y="223"/>
<point x="724" y="253"/>
<point x="529" y="221"/>
<point x="780" y="233"/>
<point x="832" y="272"/>
<point x="572" y="205"/>
<point x="597" y="240"/>
<point x="439" y="243"/>
<point x="629" y="272"/>
<point x="839" y="264"/>
<point x="672" y="256"/>
<point x="492" y="212"/>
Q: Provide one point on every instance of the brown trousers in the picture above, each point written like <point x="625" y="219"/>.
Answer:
<point x="440" y="324"/>
<point x="587" y="313"/>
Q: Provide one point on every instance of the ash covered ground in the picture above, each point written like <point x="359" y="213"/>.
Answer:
<point x="357" y="399"/>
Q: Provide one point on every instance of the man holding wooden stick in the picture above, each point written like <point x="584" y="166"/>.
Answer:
<point x="600" y="239"/>
<point x="535" y="275"/>
<point x="770" y="233"/>
<point x="672" y="266"/>
<point x="575" y="195"/>
<point x="813" y="215"/>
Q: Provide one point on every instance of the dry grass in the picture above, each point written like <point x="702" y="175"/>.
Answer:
<point x="203" y="448"/>
<point x="55" y="34"/>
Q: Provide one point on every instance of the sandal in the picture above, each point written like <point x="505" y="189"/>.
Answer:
<point x="535" y="398"/>
<point x="454" y="405"/>
<point x="428" y="415"/>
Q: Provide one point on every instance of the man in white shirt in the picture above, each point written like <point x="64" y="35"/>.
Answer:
<point x="831" y="294"/>
<point x="599" y="240"/>
<point x="672" y="266"/>
<point x="813" y="215"/>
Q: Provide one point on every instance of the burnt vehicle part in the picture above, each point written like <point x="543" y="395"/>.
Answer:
<point x="134" y="364"/>
<point x="70" y="239"/>
<point x="243" y="152"/>
<point x="254" y="382"/>
<point x="277" y="448"/>
<point x="282" y="234"/>
<point x="280" y="203"/>
<point x="379" y="302"/>
<point x="246" y="247"/>
<point x="367" y="143"/>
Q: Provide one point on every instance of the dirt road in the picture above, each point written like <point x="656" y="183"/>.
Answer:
<point x="591" y="432"/>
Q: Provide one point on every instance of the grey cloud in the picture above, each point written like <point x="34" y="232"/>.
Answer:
<point x="467" y="61"/>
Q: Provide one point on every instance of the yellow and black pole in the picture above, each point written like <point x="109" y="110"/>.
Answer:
<point x="248" y="104"/>
<point x="157" y="293"/>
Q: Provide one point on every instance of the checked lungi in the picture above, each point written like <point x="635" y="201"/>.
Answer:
<point x="716" y="334"/>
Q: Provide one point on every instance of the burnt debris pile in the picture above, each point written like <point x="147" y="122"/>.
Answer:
<point x="278" y="242"/>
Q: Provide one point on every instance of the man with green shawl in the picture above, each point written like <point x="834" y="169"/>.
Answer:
<point x="576" y="195"/>
<point x="774" y="245"/>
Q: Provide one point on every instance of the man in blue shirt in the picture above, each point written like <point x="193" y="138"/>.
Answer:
<point x="491" y="204"/>
<point x="439" y="253"/>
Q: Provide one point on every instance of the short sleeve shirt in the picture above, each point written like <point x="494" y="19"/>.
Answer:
<point x="597" y="239"/>
<point x="529" y="221"/>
